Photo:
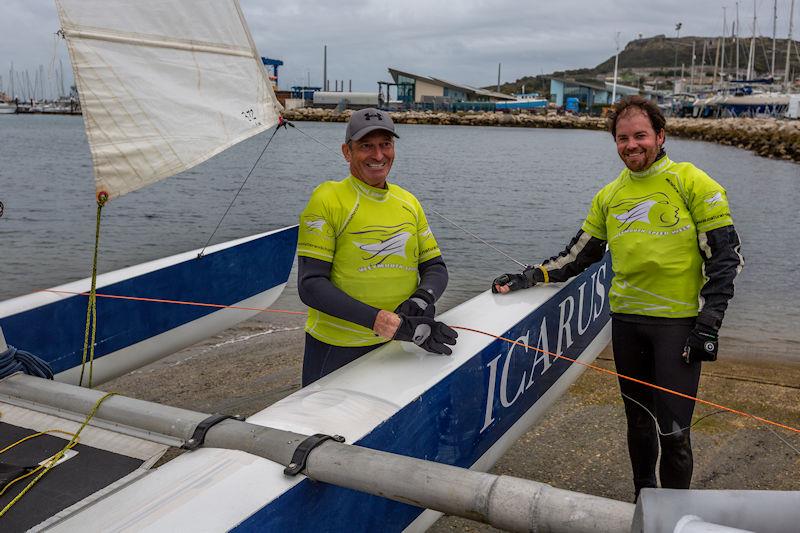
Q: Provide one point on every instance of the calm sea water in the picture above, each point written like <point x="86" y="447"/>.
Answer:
<point x="524" y="190"/>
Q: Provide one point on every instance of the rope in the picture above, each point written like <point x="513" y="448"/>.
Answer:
<point x="493" y="247"/>
<point x="235" y="196"/>
<point x="177" y="302"/>
<point x="91" y="308"/>
<point x="13" y="360"/>
<point x="57" y="457"/>
<point x="639" y="381"/>
<point x="464" y="328"/>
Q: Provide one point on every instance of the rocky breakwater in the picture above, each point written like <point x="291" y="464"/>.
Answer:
<point x="778" y="139"/>
<point x="767" y="137"/>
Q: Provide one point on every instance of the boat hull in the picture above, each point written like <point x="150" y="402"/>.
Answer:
<point x="464" y="410"/>
<point x="248" y="272"/>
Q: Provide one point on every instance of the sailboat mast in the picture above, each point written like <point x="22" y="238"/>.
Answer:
<point x="789" y="47"/>
<point x="703" y="61"/>
<point x="774" y="33"/>
<point x="691" y="72"/>
<point x="736" y="41"/>
<point x="616" y="64"/>
<point x="752" y="57"/>
<point x="722" y="55"/>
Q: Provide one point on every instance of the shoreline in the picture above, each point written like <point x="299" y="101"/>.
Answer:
<point x="579" y="445"/>
<point x="773" y="138"/>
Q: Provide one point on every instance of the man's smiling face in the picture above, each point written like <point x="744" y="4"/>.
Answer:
<point x="637" y="142"/>
<point x="371" y="157"/>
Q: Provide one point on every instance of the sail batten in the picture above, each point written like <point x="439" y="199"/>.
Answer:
<point x="159" y="43"/>
<point x="164" y="85"/>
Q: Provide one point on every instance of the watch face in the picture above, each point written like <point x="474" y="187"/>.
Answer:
<point x="709" y="346"/>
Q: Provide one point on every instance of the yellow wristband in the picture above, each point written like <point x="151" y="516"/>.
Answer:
<point x="546" y="275"/>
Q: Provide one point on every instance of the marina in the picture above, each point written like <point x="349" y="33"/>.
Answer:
<point x="177" y="157"/>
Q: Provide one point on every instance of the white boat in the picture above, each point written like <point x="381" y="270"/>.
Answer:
<point x="7" y="108"/>
<point x="464" y="410"/>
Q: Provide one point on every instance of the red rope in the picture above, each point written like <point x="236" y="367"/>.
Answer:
<point x="463" y="328"/>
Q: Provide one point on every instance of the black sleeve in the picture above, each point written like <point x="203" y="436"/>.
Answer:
<point x="582" y="251"/>
<point x="722" y="261"/>
<point x="316" y="290"/>
<point x="433" y="277"/>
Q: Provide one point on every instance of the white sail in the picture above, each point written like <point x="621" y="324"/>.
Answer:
<point x="164" y="84"/>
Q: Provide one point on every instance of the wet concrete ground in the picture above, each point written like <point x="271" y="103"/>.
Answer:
<point x="580" y="445"/>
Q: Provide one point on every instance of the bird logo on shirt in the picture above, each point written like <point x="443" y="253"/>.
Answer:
<point x="654" y="209"/>
<point x="380" y="242"/>
<point x="315" y="225"/>
<point x="714" y="199"/>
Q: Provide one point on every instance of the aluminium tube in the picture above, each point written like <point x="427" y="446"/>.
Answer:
<point x="505" y="502"/>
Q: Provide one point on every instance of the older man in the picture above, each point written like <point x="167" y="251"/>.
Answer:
<point x="370" y="269"/>
<point x="675" y="255"/>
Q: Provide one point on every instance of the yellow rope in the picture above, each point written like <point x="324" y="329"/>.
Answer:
<point x="57" y="457"/>
<point x="91" y="308"/>
<point x="45" y="432"/>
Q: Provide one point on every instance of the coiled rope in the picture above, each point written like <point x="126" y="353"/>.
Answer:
<point x="14" y="360"/>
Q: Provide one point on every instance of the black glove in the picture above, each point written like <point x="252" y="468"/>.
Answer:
<point x="427" y="333"/>
<point x="516" y="282"/>
<point x="419" y="304"/>
<point x="701" y="345"/>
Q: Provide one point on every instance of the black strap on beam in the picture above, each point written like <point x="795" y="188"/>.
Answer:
<point x="300" y="455"/>
<point x="202" y="428"/>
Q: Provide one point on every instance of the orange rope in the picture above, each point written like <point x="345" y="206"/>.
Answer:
<point x="178" y="302"/>
<point x="611" y="372"/>
<point x="463" y="328"/>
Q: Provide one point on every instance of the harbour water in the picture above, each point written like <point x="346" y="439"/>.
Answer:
<point x="524" y="190"/>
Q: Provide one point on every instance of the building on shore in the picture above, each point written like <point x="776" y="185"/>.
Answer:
<point x="425" y="92"/>
<point x="593" y="95"/>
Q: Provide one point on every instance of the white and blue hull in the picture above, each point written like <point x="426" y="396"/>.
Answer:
<point x="249" y="272"/>
<point x="463" y="410"/>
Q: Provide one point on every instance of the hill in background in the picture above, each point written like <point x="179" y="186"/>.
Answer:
<point x="657" y="61"/>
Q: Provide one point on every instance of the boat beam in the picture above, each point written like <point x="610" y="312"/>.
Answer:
<point x="504" y="502"/>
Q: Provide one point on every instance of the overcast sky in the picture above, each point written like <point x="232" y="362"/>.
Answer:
<point x="458" y="40"/>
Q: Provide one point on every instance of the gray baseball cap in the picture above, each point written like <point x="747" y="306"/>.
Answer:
<point x="365" y="121"/>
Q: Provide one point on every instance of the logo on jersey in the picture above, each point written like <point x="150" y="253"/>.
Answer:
<point x="654" y="209"/>
<point x="380" y="242"/>
<point x="714" y="199"/>
<point x="315" y="225"/>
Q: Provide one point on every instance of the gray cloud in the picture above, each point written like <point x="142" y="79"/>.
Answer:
<point x="460" y="40"/>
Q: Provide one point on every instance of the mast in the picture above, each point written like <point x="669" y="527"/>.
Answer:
<point x="722" y="58"/>
<point x="616" y="64"/>
<point x="736" y="41"/>
<point x="789" y="47"/>
<point x="774" y="30"/>
<point x="691" y="71"/>
<point x="703" y="61"/>
<point x="751" y="59"/>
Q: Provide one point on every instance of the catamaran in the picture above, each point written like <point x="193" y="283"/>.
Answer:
<point x="387" y="442"/>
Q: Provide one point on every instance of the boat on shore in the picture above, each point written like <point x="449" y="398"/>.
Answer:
<point x="464" y="410"/>
<point x="524" y="101"/>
